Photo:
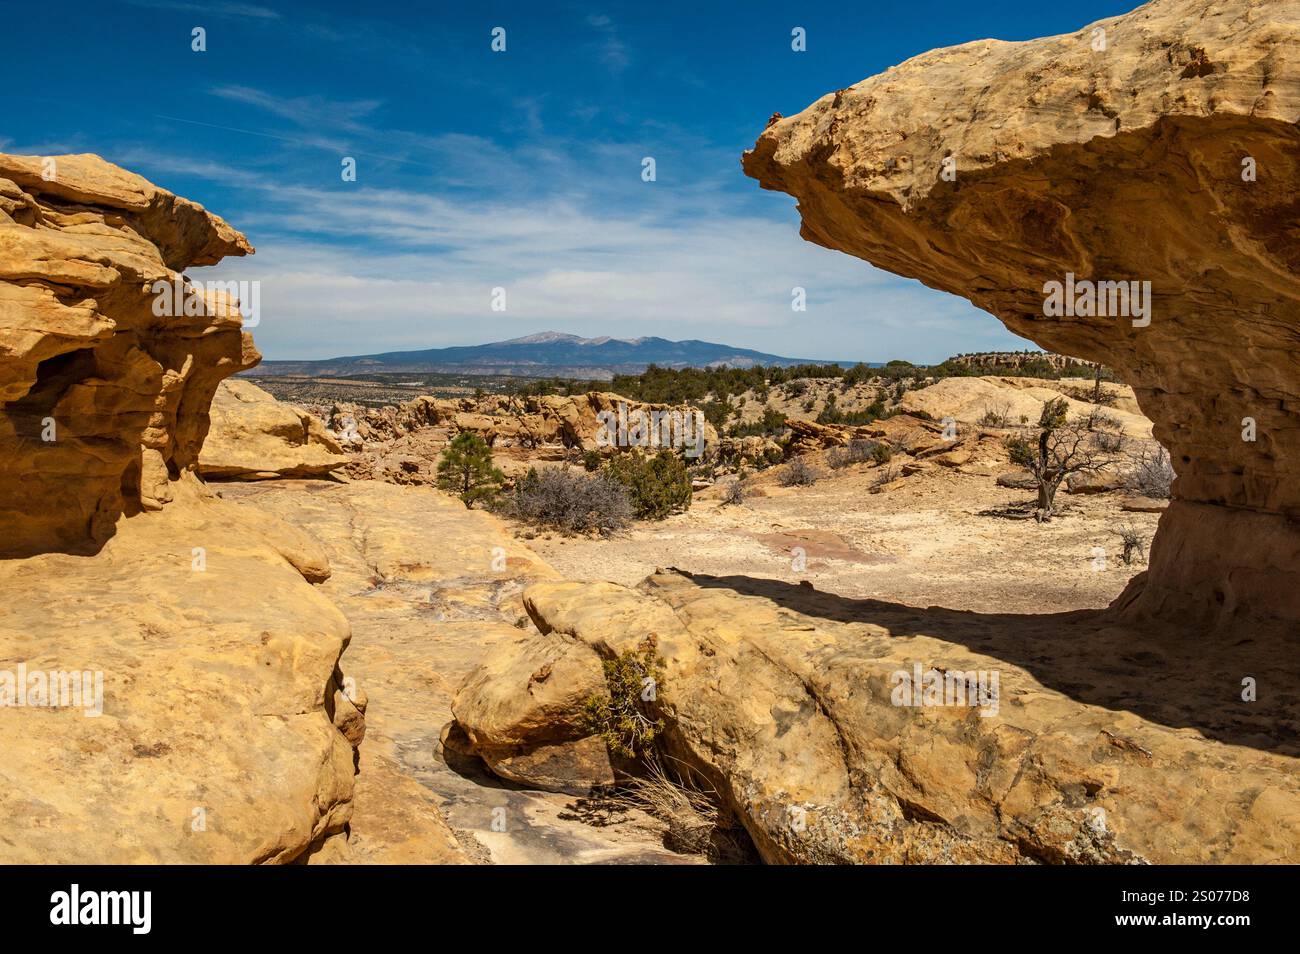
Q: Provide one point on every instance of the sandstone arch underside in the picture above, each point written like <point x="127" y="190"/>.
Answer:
<point x="1160" y="146"/>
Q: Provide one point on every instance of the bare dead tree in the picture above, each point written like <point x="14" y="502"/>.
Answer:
<point x="1061" y="449"/>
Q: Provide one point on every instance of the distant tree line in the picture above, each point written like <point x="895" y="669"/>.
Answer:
<point x="658" y="385"/>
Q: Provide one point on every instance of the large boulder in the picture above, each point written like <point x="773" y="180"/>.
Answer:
<point x="219" y="729"/>
<point x="103" y="401"/>
<point x="1160" y="146"/>
<point x="253" y="436"/>
<point x="787" y="702"/>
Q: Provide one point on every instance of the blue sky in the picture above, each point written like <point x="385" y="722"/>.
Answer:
<point x="519" y="170"/>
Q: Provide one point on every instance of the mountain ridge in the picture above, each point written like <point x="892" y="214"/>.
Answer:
<point x="546" y="353"/>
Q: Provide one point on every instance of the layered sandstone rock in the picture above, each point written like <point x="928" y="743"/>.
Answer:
<point x="224" y="729"/>
<point x="1011" y="402"/>
<point x="503" y="421"/>
<point x="253" y="436"/>
<point x="1160" y="146"/>
<point x="176" y="697"/>
<point x="103" y="402"/>
<point x="1094" y="746"/>
<point x="907" y="433"/>
<point x="997" y="362"/>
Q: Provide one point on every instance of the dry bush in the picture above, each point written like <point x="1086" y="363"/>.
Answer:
<point x="1131" y="539"/>
<point x="1109" y="441"/>
<point x="1150" y="472"/>
<point x="996" y="415"/>
<point x="799" y="473"/>
<point x="734" y="495"/>
<point x="856" y="451"/>
<point x="885" y="475"/>
<point x="569" y="500"/>
<point x="1100" y="420"/>
<point x="697" y="824"/>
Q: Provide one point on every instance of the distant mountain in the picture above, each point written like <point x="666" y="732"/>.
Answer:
<point x="549" y="354"/>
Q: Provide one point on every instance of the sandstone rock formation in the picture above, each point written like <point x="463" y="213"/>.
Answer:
<point x="504" y="421"/>
<point x="176" y="697"/>
<point x="224" y="734"/>
<point x="103" y="402"/>
<point x="783" y="701"/>
<point x="432" y="591"/>
<point x="402" y="444"/>
<point x="253" y="436"/>
<point x="994" y="362"/>
<point x="1016" y="401"/>
<point x="1160" y="146"/>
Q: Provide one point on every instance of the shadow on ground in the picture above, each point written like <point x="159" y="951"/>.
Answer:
<point x="1172" y="676"/>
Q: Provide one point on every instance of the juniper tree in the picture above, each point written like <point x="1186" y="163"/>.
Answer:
<point x="466" y="469"/>
<point x="1063" y="447"/>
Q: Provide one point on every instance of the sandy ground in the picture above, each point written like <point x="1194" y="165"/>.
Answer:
<point x="929" y="540"/>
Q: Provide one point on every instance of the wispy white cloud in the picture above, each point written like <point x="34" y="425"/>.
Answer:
<point x="611" y="49"/>
<point x="225" y="10"/>
<point x="565" y="225"/>
<point x="348" y="272"/>
<point x="308" y="111"/>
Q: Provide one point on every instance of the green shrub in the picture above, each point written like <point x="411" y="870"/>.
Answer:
<point x="833" y="415"/>
<point x="657" y="486"/>
<point x="624" y="718"/>
<point x="591" y="461"/>
<point x="466" y="469"/>
<point x="772" y="422"/>
<point x="882" y="453"/>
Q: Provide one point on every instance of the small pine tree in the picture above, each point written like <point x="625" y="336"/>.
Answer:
<point x="466" y="469"/>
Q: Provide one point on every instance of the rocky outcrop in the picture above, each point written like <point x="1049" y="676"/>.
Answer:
<point x="170" y="686"/>
<point x="432" y="591"/>
<point x="402" y="444"/>
<point x="1160" y="146"/>
<point x="253" y="436"/>
<point x="1044" y="742"/>
<point x="197" y="712"/>
<point x="1011" y="402"/>
<point x="903" y="432"/>
<point x="995" y="362"/>
<point x="503" y="421"/>
<point x="103" y="401"/>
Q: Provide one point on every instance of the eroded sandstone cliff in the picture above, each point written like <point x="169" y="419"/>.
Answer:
<point x="103" y="402"/>
<point x="170" y="688"/>
<point x="1160" y="146"/>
